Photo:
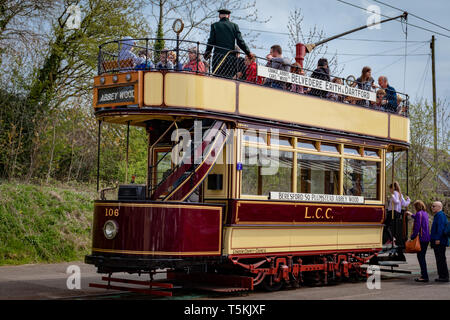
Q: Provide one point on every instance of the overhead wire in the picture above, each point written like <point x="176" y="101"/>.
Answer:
<point x="413" y="25"/>
<point x="412" y="14"/>
<point x="399" y="59"/>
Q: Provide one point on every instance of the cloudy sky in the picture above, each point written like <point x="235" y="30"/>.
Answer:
<point x="335" y="17"/>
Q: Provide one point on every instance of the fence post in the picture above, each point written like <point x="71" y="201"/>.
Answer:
<point x="146" y="53"/>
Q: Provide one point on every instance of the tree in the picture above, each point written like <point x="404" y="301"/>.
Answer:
<point x="297" y="34"/>
<point x="198" y="15"/>
<point x="428" y="180"/>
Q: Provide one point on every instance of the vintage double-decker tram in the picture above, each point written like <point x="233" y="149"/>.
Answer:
<point x="246" y="184"/>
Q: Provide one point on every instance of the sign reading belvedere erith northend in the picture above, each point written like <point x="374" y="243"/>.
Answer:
<point x="308" y="197"/>
<point x="115" y="95"/>
<point x="309" y="82"/>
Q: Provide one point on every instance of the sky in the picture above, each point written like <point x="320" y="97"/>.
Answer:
<point x="335" y="17"/>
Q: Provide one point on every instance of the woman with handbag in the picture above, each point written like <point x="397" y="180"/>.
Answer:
<point x="421" y="229"/>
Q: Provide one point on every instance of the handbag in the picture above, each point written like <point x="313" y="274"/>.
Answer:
<point x="413" y="246"/>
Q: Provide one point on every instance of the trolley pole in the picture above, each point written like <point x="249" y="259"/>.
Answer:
<point x="433" y="72"/>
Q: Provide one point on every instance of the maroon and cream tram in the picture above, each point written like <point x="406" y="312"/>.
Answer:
<point x="244" y="181"/>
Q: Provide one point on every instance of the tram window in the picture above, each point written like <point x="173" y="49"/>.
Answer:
<point x="328" y="147"/>
<point x="371" y="153"/>
<point x="317" y="174"/>
<point x="281" y="141"/>
<point x="351" y="150"/>
<point x="164" y="160"/>
<point x="266" y="170"/>
<point x="306" y="144"/>
<point x="361" y="178"/>
<point x="254" y="137"/>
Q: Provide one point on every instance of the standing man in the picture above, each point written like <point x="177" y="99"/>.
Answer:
<point x="439" y="240"/>
<point x="391" y="94"/>
<point x="224" y="34"/>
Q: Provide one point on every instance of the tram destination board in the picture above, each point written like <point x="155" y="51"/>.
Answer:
<point x="116" y="95"/>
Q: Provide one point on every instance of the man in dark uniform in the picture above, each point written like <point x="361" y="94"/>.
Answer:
<point x="224" y="34"/>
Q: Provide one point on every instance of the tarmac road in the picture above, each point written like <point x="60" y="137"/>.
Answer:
<point x="49" y="281"/>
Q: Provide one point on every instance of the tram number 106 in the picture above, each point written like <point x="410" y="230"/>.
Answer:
<point x="109" y="212"/>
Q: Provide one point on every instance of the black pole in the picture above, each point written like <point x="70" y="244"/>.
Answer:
<point x="178" y="52"/>
<point x="197" y="53"/>
<point x="98" y="153"/>
<point x="128" y="143"/>
<point x="146" y="53"/>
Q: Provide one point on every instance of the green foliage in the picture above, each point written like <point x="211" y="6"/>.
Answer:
<point x="43" y="224"/>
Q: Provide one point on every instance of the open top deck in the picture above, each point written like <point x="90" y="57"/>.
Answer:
<point x="123" y="94"/>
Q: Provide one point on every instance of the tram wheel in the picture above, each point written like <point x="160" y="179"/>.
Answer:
<point x="270" y="285"/>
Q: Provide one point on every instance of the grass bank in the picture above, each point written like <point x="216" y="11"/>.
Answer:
<point x="44" y="224"/>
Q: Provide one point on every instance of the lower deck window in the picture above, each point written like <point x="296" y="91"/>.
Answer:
<point x="361" y="178"/>
<point x="265" y="170"/>
<point x="317" y="174"/>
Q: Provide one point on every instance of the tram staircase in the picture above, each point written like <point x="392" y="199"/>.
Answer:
<point x="182" y="181"/>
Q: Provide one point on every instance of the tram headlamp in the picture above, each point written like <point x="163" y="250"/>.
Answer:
<point x="128" y="77"/>
<point x="115" y="78"/>
<point x="110" y="229"/>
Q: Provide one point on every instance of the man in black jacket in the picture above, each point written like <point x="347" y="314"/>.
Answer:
<point x="323" y="73"/>
<point x="224" y="34"/>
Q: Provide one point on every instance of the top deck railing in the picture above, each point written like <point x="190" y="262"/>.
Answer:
<point x="186" y="56"/>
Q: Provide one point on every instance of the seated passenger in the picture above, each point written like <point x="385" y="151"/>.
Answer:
<point x="297" y="69"/>
<point x="127" y="59"/>
<point x="391" y="94"/>
<point x="381" y="100"/>
<point x="173" y="58"/>
<point x="323" y="73"/>
<point x="250" y="74"/>
<point x="365" y="82"/>
<point x="192" y="64"/>
<point x="238" y="63"/>
<point x="164" y="63"/>
<point x="147" y="63"/>
<point x="334" y="96"/>
<point x="276" y="61"/>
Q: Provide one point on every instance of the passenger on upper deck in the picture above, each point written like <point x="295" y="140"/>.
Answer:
<point x="277" y="61"/>
<point x="335" y="96"/>
<point x="381" y="100"/>
<point x="391" y="94"/>
<point x="164" y="62"/>
<point x="251" y="69"/>
<point x="365" y="82"/>
<point x="126" y="58"/>
<point x="322" y="72"/>
<point x="238" y="63"/>
<point x="173" y="58"/>
<point x="192" y="64"/>
<point x="297" y="69"/>
<point x="147" y="63"/>
<point x="224" y="34"/>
